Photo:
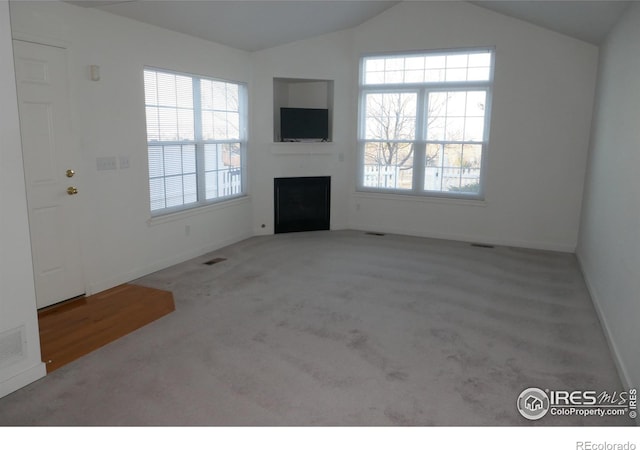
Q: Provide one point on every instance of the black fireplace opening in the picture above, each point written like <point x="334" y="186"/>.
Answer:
<point x="302" y="204"/>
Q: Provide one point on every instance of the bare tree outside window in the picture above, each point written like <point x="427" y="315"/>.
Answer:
<point x="391" y="123"/>
<point x="391" y="127"/>
<point x="407" y="108"/>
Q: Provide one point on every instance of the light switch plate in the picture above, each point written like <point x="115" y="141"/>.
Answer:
<point x="124" y="161"/>
<point x="106" y="163"/>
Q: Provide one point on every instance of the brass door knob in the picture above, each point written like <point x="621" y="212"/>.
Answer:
<point x="71" y="190"/>
<point x="70" y="173"/>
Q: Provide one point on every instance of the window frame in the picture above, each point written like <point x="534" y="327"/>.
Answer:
<point x="420" y="142"/>
<point x="199" y="142"/>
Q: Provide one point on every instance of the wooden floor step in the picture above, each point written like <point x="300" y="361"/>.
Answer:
<point x="79" y="326"/>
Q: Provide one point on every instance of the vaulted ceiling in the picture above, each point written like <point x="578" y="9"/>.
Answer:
<point x="589" y="21"/>
<point x="255" y="25"/>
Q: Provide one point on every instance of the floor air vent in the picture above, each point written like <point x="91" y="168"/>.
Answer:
<point x="371" y="233"/>
<point x="482" y="245"/>
<point x="215" y="261"/>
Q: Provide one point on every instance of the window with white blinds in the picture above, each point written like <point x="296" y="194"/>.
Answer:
<point x="196" y="136"/>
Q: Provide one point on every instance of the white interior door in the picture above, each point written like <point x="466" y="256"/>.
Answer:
<point x="52" y="190"/>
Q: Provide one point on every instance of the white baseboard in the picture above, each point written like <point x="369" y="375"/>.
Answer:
<point x="22" y="379"/>
<point x="162" y="264"/>
<point x="623" y="373"/>
<point x="595" y="299"/>
<point x="535" y="245"/>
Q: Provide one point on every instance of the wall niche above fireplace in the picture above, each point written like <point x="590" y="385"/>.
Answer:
<point x="302" y="204"/>
<point x="309" y="97"/>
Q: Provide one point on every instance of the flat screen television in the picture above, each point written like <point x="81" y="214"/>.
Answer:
<point x="304" y="123"/>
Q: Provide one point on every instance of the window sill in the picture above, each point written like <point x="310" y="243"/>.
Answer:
<point x="179" y="215"/>
<point x="451" y="201"/>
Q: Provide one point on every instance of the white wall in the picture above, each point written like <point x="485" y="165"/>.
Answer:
<point x="118" y="243"/>
<point x="327" y="57"/>
<point x="609" y="247"/>
<point x="308" y="95"/>
<point x="542" y="104"/>
<point x="17" y="295"/>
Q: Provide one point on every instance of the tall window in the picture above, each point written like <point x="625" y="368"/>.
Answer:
<point x="196" y="136"/>
<point x="424" y="122"/>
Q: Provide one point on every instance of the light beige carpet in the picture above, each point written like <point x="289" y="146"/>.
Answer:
<point x="341" y="328"/>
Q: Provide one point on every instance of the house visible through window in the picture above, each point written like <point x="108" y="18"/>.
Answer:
<point x="196" y="136"/>
<point x="424" y="122"/>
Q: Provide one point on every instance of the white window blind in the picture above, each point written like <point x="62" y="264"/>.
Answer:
<point x="196" y="135"/>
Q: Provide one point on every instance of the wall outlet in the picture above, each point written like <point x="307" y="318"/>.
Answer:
<point x="106" y="163"/>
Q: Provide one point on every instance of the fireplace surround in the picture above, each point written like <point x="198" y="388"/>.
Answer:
<point x="301" y="204"/>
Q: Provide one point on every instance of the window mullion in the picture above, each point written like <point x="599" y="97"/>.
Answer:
<point x="197" y="124"/>
<point x="243" y="102"/>
<point x="419" y="146"/>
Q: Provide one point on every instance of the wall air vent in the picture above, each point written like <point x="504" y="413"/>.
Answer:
<point x="12" y="346"/>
